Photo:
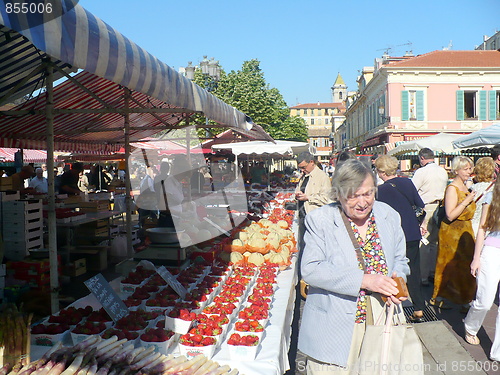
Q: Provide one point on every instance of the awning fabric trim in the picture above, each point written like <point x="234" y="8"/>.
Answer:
<point x="84" y="41"/>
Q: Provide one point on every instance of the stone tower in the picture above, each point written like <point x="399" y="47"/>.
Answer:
<point x="339" y="90"/>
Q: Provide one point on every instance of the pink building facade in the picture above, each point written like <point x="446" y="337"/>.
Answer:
<point x="411" y="97"/>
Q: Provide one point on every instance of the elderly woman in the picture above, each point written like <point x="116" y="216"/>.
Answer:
<point x="401" y="194"/>
<point x="335" y="312"/>
<point x="452" y="280"/>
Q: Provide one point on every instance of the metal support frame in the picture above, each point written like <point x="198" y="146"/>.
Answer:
<point x="52" y="226"/>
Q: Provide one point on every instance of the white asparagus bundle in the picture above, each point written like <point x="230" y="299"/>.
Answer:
<point x="96" y="356"/>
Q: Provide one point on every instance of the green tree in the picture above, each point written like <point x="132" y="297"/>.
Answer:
<point x="247" y="90"/>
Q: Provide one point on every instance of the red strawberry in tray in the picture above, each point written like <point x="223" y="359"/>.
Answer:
<point x="156" y="335"/>
<point x="120" y="333"/>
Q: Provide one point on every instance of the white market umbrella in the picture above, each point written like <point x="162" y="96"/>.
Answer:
<point x="439" y="143"/>
<point x="265" y="147"/>
<point x="483" y="137"/>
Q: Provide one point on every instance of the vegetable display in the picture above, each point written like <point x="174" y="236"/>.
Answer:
<point x="97" y="356"/>
<point x="15" y="334"/>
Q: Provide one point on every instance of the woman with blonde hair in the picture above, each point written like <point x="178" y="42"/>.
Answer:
<point x="484" y="172"/>
<point x="452" y="280"/>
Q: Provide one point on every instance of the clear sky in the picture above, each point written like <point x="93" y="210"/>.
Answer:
<point x="301" y="45"/>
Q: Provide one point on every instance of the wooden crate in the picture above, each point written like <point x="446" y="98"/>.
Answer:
<point x="96" y="256"/>
<point x="23" y="234"/>
<point x="23" y="225"/>
<point x="7" y="196"/>
<point x="18" y="250"/>
<point x="6" y="183"/>
<point x="94" y="206"/>
<point x="76" y="267"/>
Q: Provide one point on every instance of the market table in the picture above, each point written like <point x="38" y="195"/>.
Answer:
<point x="272" y="357"/>
<point x="90" y="217"/>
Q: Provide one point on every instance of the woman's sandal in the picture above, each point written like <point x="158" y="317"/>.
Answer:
<point x="439" y="304"/>
<point x="471" y="339"/>
<point x="416" y="319"/>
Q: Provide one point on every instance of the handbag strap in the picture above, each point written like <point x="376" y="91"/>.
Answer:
<point x="355" y="242"/>
<point x="391" y="317"/>
<point x="486" y="190"/>
<point x="408" y="199"/>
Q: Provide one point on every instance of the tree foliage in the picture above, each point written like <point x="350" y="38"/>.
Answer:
<point x="247" y="91"/>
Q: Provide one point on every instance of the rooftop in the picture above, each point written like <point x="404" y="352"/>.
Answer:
<point x="319" y="105"/>
<point x="453" y="59"/>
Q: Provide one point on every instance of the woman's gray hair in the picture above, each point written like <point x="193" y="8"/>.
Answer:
<point x="348" y="177"/>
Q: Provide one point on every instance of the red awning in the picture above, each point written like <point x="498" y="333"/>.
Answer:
<point x="29" y="156"/>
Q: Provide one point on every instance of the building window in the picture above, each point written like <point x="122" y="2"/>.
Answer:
<point x="315" y="142"/>
<point x="472" y="105"/>
<point x="312" y="121"/>
<point x="340" y="95"/>
<point x="326" y="121"/>
<point x="412" y="103"/>
<point x="494" y="105"/>
<point x="305" y="112"/>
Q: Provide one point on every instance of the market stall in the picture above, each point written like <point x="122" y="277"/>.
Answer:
<point x="440" y="143"/>
<point x="266" y="150"/>
<point x="230" y="286"/>
<point x="122" y="95"/>
<point x="484" y="137"/>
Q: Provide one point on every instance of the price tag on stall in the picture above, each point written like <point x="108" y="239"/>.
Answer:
<point x="107" y="297"/>
<point x="172" y="281"/>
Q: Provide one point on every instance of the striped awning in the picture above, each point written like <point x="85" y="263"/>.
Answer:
<point x="79" y="40"/>
<point x="89" y="132"/>
<point x="29" y="156"/>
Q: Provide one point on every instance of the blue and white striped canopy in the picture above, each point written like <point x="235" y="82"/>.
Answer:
<point x="83" y="41"/>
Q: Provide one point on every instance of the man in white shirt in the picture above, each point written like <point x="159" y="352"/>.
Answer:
<point x="44" y="169"/>
<point x="39" y="183"/>
<point x="431" y="181"/>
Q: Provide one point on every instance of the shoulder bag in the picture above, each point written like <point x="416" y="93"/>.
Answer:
<point x="439" y="214"/>
<point x="419" y="211"/>
<point x="390" y="347"/>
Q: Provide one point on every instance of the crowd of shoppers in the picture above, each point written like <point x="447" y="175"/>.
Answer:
<point x="450" y="252"/>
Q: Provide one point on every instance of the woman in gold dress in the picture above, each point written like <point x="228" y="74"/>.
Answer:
<point x="452" y="280"/>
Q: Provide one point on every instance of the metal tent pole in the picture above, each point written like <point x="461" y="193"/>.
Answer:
<point x="128" y="203"/>
<point x="52" y="226"/>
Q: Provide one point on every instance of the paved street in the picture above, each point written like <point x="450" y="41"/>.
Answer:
<point x="445" y="350"/>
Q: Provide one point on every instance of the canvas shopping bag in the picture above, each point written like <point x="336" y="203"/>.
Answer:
<point x="389" y="348"/>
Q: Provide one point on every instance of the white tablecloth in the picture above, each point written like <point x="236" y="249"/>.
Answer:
<point x="272" y="356"/>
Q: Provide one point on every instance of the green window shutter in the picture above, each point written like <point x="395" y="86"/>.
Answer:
<point x="460" y="105"/>
<point x="492" y="105"/>
<point x="482" y="105"/>
<point x="405" y="111"/>
<point x="420" y="106"/>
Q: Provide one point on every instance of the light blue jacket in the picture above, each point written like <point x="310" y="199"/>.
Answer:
<point x="330" y="267"/>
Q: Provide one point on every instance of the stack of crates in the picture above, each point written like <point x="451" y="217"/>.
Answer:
<point x="6" y="196"/>
<point x="34" y="273"/>
<point x="22" y="228"/>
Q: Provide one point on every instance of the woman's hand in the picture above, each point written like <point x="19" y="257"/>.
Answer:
<point x="469" y="198"/>
<point x="380" y="284"/>
<point x="397" y="301"/>
<point x="474" y="267"/>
